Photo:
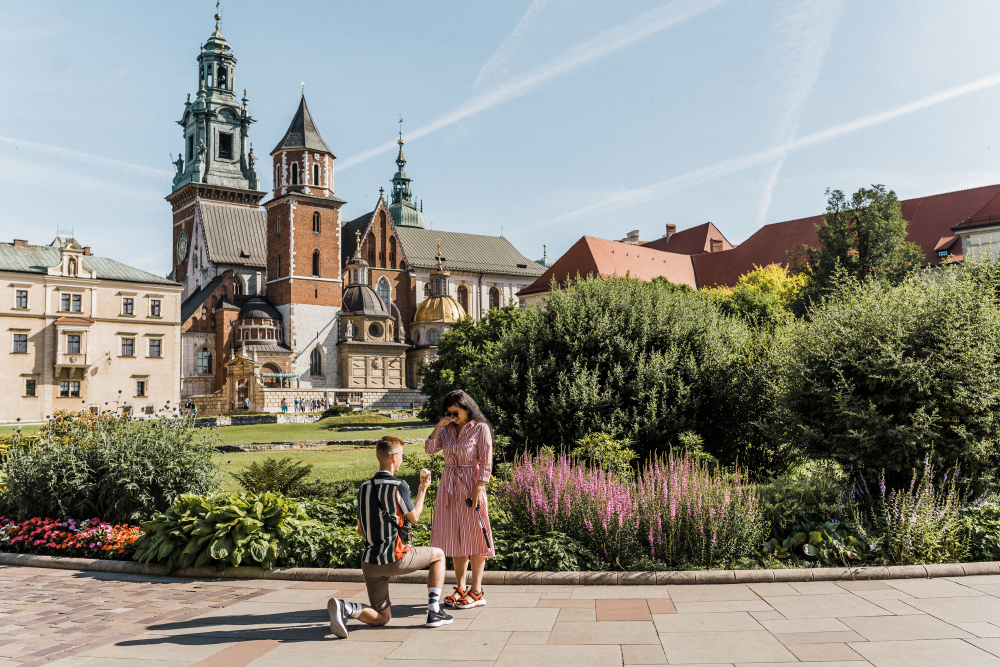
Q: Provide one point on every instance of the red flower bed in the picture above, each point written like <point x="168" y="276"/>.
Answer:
<point x="81" y="539"/>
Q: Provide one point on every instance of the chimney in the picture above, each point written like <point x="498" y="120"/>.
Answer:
<point x="632" y="238"/>
<point x="86" y="250"/>
<point x="671" y="230"/>
<point x="20" y="242"/>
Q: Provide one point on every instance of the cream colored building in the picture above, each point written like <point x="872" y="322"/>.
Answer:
<point x="84" y="332"/>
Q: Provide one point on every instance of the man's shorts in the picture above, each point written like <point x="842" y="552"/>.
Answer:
<point x="377" y="576"/>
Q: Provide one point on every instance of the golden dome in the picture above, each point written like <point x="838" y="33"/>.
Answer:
<point x="440" y="310"/>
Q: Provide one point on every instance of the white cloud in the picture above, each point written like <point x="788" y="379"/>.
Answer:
<point x="87" y="158"/>
<point x="803" y="38"/>
<point x="632" y="197"/>
<point x="607" y="42"/>
<point x="498" y="61"/>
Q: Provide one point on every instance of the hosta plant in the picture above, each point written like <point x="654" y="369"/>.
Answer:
<point x="222" y="528"/>
<point x="829" y="543"/>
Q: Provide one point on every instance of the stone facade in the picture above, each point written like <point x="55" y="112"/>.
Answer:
<point x="78" y="340"/>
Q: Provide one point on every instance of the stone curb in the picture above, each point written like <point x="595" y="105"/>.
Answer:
<point x="497" y="578"/>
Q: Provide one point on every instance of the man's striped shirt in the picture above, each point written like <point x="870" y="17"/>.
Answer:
<point x="382" y="502"/>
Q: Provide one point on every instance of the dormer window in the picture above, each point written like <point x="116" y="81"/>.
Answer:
<point x="225" y="146"/>
<point x="942" y="253"/>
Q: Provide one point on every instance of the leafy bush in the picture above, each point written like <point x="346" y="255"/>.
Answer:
<point x="332" y="542"/>
<point x="829" y="542"/>
<point x="921" y="524"/>
<point x="676" y="510"/>
<point x="320" y="489"/>
<point x="603" y="451"/>
<point x="84" y="539"/>
<point x="639" y="361"/>
<point x="552" y="552"/>
<point x="807" y="496"/>
<point x="273" y="475"/>
<point x="337" y="411"/>
<point x="886" y="376"/>
<point x="983" y="520"/>
<point x="119" y="468"/>
<point x="762" y="297"/>
<point x="222" y="528"/>
<point x="463" y="352"/>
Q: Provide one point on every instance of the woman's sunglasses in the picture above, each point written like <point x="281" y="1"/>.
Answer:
<point x="456" y="415"/>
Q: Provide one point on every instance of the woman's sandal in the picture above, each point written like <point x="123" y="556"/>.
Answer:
<point x="453" y="600"/>
<point x="471" y="599"/>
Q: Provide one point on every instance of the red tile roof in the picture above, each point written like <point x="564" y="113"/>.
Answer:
<point x="691" y="241"/>
<point x="592" y="256"/>
<point x="930" y="219"/>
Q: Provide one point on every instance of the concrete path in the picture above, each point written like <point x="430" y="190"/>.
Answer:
<point x="66" y="618"/>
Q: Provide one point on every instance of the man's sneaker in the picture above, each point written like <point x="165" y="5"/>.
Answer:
<point x="338" y="619"/>
<point x="435" y="619"/>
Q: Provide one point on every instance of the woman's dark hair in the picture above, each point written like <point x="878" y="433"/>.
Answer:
<point x="462" y="400"/>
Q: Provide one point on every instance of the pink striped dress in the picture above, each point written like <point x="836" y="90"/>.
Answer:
<point x="468" y="458"/>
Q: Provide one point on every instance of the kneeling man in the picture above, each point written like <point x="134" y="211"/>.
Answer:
<point x="383" y="505"/>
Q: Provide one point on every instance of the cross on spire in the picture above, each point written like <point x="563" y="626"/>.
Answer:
<point x="357" y="236"/>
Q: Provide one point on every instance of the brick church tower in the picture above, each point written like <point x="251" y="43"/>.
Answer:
<point x="217" y="167"/>
<point x="303" y="249"/>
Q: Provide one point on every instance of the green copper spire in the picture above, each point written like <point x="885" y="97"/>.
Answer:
<point x="403" y="208"/>
<point x="216" y="124"/>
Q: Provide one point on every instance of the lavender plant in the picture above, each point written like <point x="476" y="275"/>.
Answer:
<point x="676" y="510"/>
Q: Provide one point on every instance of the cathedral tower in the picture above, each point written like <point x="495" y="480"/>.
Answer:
<point x="303" y="242"/>
<point x="216" y="163"/>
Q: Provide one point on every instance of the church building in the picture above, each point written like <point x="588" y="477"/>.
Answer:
<point x="279" y="296"/>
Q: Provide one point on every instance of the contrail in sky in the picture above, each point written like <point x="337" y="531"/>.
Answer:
<point x="95" y="160"/>
<point x="710" y="173"/>
<point x="503" y="54"/>
<point x="609" y="41"/>
<point x="805" y="32"/>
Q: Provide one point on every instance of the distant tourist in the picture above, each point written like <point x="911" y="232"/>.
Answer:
<point x="385" y="513"/>
<point x="461" y="524"/>
<point x="284" y="405"/>
<point x="246" y="405"/>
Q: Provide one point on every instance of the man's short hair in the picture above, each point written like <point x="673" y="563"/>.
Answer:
<point x="384" y="447"/>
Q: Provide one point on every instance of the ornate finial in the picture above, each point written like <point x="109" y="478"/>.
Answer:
<point x="400" y="142"/>
<point x="303" y="89"/>
<point x="218" y="16"/>
<point x="189" y="98"/>
<point x="545" y="251"/>
<point x="381" y="193"/>
<point x="439" y="253"/>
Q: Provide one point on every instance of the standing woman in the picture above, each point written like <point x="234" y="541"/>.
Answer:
<point x="461" y="526"/>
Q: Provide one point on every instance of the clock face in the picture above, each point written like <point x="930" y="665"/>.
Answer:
<point x="182" y="246"/>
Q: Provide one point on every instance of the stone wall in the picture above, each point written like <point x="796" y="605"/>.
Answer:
<point x="379" y="399"/>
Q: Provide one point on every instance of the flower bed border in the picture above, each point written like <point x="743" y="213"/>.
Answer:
<point x="497" y="578"/>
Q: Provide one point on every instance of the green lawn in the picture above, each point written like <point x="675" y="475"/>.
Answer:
<point x="334" y="463"/>
<point x="27" y="429"/>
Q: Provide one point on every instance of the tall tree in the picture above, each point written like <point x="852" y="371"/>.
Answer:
<point x="860" y="238"/>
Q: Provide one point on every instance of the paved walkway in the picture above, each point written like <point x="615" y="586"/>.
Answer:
<point x="64" y="618"/>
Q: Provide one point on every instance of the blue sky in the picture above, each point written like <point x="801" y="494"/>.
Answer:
<point x="546" y="119"/>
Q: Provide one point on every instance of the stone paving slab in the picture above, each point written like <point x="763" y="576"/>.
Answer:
<point x="66" y="618"/>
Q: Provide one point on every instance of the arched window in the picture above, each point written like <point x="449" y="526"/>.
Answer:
<point x="402" y="265"/>
<point x="381" y="255"/>
<point x="392" y="252"/>
<point x="237" y="287"/>
<point x="355" y="281"/>
<point x="278" y="271"/>
<point x="316" y="262"/>
<point x="383" y="291"/>
<point x="316" y="222"/>
<point x="295" y="174"/>
<point x="494" y="297"/>
<point x="204" y="361"/>
<point x="433" y="336"/>
<point x="463" y="297"/>
<point x="223" y="77"/>
<point x="371" y="249"/>
<point x="316" y="362"/>
<point x="315" y="174"/>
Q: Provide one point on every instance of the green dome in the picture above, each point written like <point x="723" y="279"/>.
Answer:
<point x="406" y="214"/>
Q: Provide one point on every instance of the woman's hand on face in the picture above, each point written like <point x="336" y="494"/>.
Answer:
<point x="445" y="421"/>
